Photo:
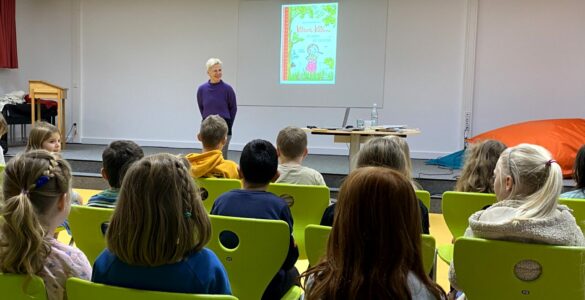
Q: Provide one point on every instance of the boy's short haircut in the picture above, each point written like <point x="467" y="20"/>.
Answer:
<point x="117" y="158"/>
<point x="291" y="142"/>
<point x="213" y="131"/>
<point x="259" y="162"/>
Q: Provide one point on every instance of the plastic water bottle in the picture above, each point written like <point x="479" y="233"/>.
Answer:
<point x="374" y="115"/>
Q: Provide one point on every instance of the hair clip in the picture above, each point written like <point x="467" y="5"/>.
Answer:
<point x="24" y="192"/>
<point x="550" y="162"/>
<point x="42" y="181"/>
<point x="188" y="214"/>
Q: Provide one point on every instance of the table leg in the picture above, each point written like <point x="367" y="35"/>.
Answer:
<point x="354" y="148"/>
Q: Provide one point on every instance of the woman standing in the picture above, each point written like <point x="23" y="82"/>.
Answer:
<point x="216" y="97"/>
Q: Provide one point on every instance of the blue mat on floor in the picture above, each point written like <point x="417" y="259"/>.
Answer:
<point x="451" y="161"/>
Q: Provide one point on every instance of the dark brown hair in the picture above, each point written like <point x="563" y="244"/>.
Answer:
<point x="579" y="168"/>
<point x="375" y="241"/>
<point x="117" y="157"/>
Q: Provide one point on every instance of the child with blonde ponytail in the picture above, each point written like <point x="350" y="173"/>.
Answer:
<point x="37" y="185"/>
<point x="528" y="182"/>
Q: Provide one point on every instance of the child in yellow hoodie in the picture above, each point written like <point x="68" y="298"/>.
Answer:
<point x="210" y="163"/>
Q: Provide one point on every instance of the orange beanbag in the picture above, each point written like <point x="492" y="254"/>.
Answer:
<point x="562" y="137"/>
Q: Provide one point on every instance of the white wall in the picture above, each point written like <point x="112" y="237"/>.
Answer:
<point x="530" y="62"/>
<point x="528" y="65"/>
<point x="43" y="30"/>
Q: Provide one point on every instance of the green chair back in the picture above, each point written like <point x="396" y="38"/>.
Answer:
<point x="316" y="240"/>
<point x="486" y="270"/>
<point x="425" y="197"/>
<point x="79" y="289"/>
<point x="2" y="167"/>
<point x="262" y="249"/>
<point x="211" y="188"/>
<point x="578" y="207"/>
<point x="307" y="204"/>
<point x="459" y="206"/>
<point x="86" y="229"/>
<point x="317" y="237"/>
<point x="22" y="287"/>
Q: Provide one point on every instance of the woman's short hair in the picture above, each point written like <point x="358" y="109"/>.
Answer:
<point x="212" y="62"/>
<point x="159" y="206"/>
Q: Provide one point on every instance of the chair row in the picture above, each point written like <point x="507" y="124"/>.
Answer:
<point x="264" y="253"/>
<point x="20" y="287"/>
<point x="307" y="202"/>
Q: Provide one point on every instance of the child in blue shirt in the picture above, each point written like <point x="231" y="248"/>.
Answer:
<point x="116" y="159"/>
<point x="157" y="234"/>
<point x="258" y="167"/>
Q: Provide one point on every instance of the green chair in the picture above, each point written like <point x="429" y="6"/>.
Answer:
<point x="211" y="188"/>
<point x="79" y="289"/>
<point x="425" y="197"/>
<point x="457" y="208"/>
<point x="578" y="207"/>
<point x="307" y="204"/>
<point x="262" y="249"/>
<point x="317" y="237"/>
<point x="86" y="229"/>
<point x="486" y="269"/>
<point x="22" y="287"/>
<point x="2" y="167"/>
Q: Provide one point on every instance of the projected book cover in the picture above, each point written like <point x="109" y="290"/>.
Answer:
<point x="308" y="44"/>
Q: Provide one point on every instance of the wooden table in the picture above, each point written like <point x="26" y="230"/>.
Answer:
<point x="356" y="137"/>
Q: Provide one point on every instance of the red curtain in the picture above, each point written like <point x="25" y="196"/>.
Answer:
<point x="8" y="57"/>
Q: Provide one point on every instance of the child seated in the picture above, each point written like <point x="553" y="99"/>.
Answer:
<point x="258" y="166"/>
<point x="158" y="231"/>
<point x="210" y="163"/>
<point x="478" y="169"/>
<point x="578" y="176"/>
<point x="291" y="147"/>
<point x="527" y="185"/>
<point x="36" y="192"/>
<point x="44" y="136"/>
<point x="116" y="159"/>
<point x="387" y="153"/>
<point x="374" y="249"/>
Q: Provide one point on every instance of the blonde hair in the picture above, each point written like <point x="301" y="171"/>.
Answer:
<point x="382" y="152"/>
<point x="478" y="169"/>
<point x="41" y="132"/>
<point x="212" y="62"/>
<point x="159" y="218"/>
<point x="537" y="178"/>
<point x="33" y="183"/>
<point x="3" y="125"/>
<point x="213" y="130"/>
<point x="406" y="151"/>
<point x="291" y="142"/>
